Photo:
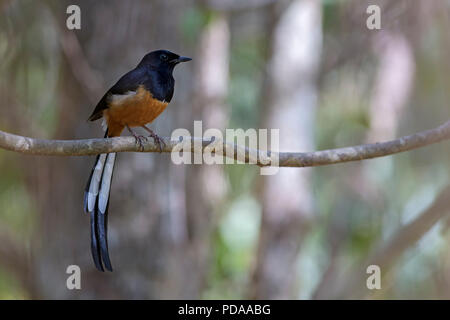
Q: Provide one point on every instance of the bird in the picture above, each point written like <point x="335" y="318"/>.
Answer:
<point x="135" y="100"/>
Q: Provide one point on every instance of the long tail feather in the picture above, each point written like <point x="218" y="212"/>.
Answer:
<point x="103" y="205"/>
<point x="103" y="238"/>
<point x="86" y="190"/>
<point x="96" y="203"/>
<point x="95" y="249"/>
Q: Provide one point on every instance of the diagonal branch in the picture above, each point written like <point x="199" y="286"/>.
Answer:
<point x="353" y="283"/>
<point x="286" y="159"/>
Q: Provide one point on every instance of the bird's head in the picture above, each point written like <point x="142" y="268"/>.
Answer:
<point x="163" y="60"/>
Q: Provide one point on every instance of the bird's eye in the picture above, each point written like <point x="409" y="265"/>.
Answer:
<point x="164" y="57"/>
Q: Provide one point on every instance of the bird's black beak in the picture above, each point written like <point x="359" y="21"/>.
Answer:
<point x="181" y="59"/>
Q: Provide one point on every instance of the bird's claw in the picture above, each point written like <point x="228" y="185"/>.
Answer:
<point x="140" y="141"/>
<point x="160" y="142"/>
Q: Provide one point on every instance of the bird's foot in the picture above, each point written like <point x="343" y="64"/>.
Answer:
<point x="139" y="139"/>
<point x="158" y="140"/>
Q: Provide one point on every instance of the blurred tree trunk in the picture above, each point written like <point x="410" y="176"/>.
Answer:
<point x="393" y="85"/>
<point x="205" y="185"/>
<point x="290" y="106"/>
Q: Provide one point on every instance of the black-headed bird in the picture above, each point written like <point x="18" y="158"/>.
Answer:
<point x="137" y="99"/>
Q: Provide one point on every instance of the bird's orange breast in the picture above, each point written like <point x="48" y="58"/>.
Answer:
<point x="133" y="109"/>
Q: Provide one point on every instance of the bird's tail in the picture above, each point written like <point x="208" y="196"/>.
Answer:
<point x="96" y="203"/>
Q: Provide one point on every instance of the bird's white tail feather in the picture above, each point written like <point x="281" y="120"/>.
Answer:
<point x="94" y="184"/>
<point x="106" y="183"/>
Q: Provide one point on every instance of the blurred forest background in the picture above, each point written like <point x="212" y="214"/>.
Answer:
<point x="311" y="68"/>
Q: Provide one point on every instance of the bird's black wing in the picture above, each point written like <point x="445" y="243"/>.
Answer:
<point x="129" y="82"/>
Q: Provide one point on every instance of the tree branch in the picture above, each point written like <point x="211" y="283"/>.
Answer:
<point x="353" y="283"/>
<point x="286" y="159"/>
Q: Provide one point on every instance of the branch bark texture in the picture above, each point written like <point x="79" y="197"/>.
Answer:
<point x="85" y="147"/>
